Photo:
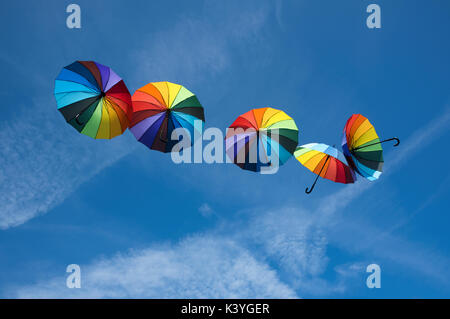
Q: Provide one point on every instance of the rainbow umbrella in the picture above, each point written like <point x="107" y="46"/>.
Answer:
<point x="362" y="147"/>
<point x="161" y="107"/>
<point x="93" y="99"/>
<point x="261" y="138"/>
<point x="324" y="161"/>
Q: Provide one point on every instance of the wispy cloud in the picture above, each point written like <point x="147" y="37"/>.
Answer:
<point x="422" y="137"/>
<point x="43" y="162"/>
<point x="206" y="210"/>
<point x="197" y="267"/>
<point x="272" y="254"/>
<point x="199" y="47"/>
<point x="292" y="238"/>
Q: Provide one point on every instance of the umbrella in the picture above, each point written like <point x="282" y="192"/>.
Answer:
<point x="261" y="138"/>
<point x="93" y="99"/>
<point x="161" y="107"/>
<point x="362" y="147"/>
<point x="326" y="162"/>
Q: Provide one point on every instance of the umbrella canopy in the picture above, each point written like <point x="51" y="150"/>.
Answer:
<point x="161" y="107"/>
<point x="325" y="161"/>
<point x="93" y="99"/>
<point x="261" y="137"/>
<point x="362" y="147"/>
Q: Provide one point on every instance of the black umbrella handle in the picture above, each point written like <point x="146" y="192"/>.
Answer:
<point x="396" y="139"/>
<point x="309" y="190"/>
<point x="76" y="119"/>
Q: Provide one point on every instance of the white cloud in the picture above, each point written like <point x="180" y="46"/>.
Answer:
<point x="43" y="161"/>
<point x="199" y="47"/>
<point x="421" y="137"/>
<point x="234" y="264"/>
<point x="291" y="237"/>
<point x="205" y="210"/>
<point x="197" y="267"/>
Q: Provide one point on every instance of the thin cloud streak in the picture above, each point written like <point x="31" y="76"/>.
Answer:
<point x="196" y="49"/>
<point x="43" y="163"/>
<point x="422" y="137"/>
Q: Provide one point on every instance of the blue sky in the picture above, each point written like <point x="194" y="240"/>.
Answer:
<point x="142" y="226"/>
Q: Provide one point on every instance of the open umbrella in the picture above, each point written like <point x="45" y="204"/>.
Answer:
<point x="261" y="138"/>
<point x="362" y="147"/>
<point x="324" y="161"/>
<point x="161" y="107"/>
<point x="93" y="99"/>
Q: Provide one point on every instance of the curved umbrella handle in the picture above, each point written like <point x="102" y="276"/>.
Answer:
<point x="397" y="141"/>
<point x="308" y="191"/>
<point x="76" y="120"/>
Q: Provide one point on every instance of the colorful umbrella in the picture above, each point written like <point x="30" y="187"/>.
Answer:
<point x="362" y="147"/>
<point x="161" y="107"/>
<point x="326" y="162"/>
<point x="261" y="138"/>
<point x="93" y="99"/>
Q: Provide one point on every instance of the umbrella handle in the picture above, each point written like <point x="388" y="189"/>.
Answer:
<point x="396" y="139"/>
<point x="76" y="120"/>
<point x="309" y="190"/>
